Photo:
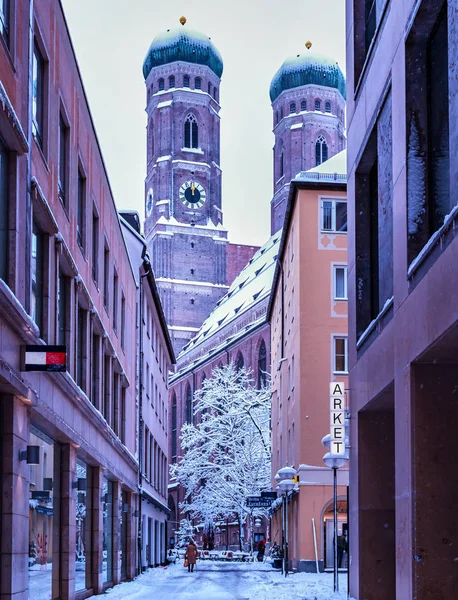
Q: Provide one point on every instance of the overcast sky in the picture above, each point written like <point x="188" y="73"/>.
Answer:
<point x="254" y="37"/>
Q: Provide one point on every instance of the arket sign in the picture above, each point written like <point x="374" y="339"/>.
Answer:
<point x="337" y="389"/>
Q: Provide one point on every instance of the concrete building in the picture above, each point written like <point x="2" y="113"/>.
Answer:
<point x="67" y="524"/>
<point x="308" y="317"/>
<point x="308" y="109"/>
<point x="403" y="317"/>
<point x="155" y="358"/>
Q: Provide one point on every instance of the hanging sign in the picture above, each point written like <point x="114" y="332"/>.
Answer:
<point x="337" y="389"/>
<point x="45" y="358"/>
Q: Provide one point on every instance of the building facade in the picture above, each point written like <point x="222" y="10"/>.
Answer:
<point x="403" y="318"/>
<point x="308" y="317"/>
<point x="308" y="104"/>
<point x="155" y="358"/>
<point x="68" y="439"/>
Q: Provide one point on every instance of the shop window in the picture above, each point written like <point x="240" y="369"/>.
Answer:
<point x="107" y="508"/>
<point x="83" y="527"/>
<point x="43" y="548"/>
<point x="122" y="532"/>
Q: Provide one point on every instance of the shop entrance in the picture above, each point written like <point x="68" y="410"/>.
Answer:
<point x="342" y="535"/>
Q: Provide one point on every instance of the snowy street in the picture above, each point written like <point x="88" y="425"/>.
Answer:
<point x="227" y="581"/>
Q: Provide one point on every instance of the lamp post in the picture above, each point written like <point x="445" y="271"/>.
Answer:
<point x="285" y="485"/>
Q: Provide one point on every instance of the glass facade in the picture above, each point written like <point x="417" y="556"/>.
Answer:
<point x="107" y="501"/>
<point x="83" y="527"/>
<point x="41" y="519"/>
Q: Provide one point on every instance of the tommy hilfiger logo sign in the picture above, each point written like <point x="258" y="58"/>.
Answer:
<point x="45" y="358"/>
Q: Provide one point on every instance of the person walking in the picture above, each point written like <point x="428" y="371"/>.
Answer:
<point x="191" y="555"/>
<point x="261" y="549"/>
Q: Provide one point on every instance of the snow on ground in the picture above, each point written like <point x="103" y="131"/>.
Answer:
<point x="228" y="581"/>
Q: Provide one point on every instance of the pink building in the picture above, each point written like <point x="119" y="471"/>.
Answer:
<point x="308" y="317"/>
<point x="403" y="282"/>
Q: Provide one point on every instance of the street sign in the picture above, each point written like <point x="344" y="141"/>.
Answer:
<point x="272" y="495"/>
<point x="258" y="502"/>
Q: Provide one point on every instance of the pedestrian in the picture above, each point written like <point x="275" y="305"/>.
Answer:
<point x="342" y="546"/>
<point x="191" y="555"/>
<point x="261" y="549"/>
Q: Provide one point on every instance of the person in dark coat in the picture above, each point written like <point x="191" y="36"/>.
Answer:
<point x="191" y="555"/>
<point x="261" y="549"/>
<point x="342" y="546"/>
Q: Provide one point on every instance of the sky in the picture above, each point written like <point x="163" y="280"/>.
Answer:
<point x="254" y="37"/>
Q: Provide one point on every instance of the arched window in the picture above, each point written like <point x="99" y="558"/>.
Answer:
<point x="151" y="138"/>
<point x="327" y="107"/>
<point x="191" y="132"/>
<point x="161" y="84"/>
<point x="204" y="377"/>
<point x="292" y="107"/>
<point x="214" y="93"/>
<point x="174" y="428"/>
<point x="209" y="88"/>
<point x="188" y="415"/>
<point x="198" y="83"/>
<point x="172" y="81"/>
<point x="240" y="363"/>
<point x="304" y="105"/>
<point x="317" y="104"/>
<point x="282" y="165"/>
<point x="262" y="365"/>
<point x="185" y="80"/>
<point x="321" y="150"/>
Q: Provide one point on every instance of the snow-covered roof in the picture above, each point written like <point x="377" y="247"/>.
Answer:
<point x="333" y="169"/>
<point x="250" y="287"/>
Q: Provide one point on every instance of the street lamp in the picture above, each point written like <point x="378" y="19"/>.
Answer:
<point x="284" y="477"/>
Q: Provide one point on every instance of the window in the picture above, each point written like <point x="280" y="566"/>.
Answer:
<point x="38" y="76"/>
<point x="4" y="188"/>
<point x="188" y="416"/>
<point x="161" y="84"/>
<point x="95" y="377"/>
<point x="292" y="107"/>
<point x="62" y="287"/>
<point x="174" y="428"/>
<point x="321" y="150"/>
<point x="4" y="19"/>
<point x="81" y="209"/>
<point x="215" y="93"/>
<point x="123" y="322"/>
<point x="340" y="283"/>
<point x="239" y="362"/>
<point x="282" y="165"/>
<point x="262" y="365"/>
<point x="37" y="275"/>
<point x="333" y="216"/>
<point x="191" y="132"/>
<point x="209" y="88"/>
<point x="95" y="246"/>
<point x="106" y="275"/>
<point x="276" y="117"/>
<point x="115" y="300"/>
<point x="81" y="347"/>
<point x="185" y="80"/>
<point x="340" y="355"/>
<point x="63" y="160"/>
<point x="327" y="107"/>
<point x="172" y="81"/>
<point x="317" y="104"/>
<point x="281" y="113"/>
<point x="198" y="83"/>
<point x="304" y="105"/>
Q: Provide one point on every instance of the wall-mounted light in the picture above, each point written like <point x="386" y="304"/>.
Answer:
<point x="125" y="508"/>
<point x="31" y="455"/>
<point x="47" y="484"/>
<point x="80" y="484"/>
<point x="136" y="513"/>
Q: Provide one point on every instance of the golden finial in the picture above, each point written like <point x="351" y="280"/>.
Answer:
<point x="182" y="20"/>
<point x="308" y="45"/>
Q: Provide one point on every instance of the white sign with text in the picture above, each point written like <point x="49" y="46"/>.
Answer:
<point x="337" y="391"/>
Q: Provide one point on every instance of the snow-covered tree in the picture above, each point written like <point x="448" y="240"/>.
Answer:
<point x="227" y="450"/>
<point x="185" y="532"/>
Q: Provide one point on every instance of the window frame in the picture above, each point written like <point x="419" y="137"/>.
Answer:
<point x="335" y="338"/>
<point x="322" y="145"/>
<point x="303" y="105"/>
<point x="318" y="105"/>
<point x="171" y="81"/>
<point x="197" y="83"/>
<point x="345" y="270"/>
<point x="161" y="84"/>
<point x="5" y="165"/>
<point x="292" y="108"/>
<point x="81" y="202"/>
<point x="334" y="202"/>
<point x="5" y="21"/>
<point x="38" y="100"/>
<point x="186" y="81"/>
<point x="63" y="161"/>
<point x="327" y="107"/>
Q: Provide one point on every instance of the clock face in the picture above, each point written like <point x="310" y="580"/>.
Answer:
<point x="149" y="202"/>
<point x="192" y="194"/>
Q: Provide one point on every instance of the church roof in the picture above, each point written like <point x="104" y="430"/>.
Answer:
<point x="182" y="44"/>
<point x="307" y="68"/>
<point x="249" y="288"/>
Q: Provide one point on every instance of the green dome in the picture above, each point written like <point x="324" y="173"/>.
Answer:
<point x="306" y="69"/>
<point x="183" y="44"/>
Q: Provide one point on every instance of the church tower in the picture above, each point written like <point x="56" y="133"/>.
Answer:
<point x="308" y="103"/>
<point x="183" y="210"/>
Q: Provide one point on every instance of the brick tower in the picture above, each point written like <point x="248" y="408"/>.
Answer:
<point x="308" y="103"/>
<point x="184" y="218"/>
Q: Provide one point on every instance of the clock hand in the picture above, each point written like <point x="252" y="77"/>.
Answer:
<point x="192" y="188"/>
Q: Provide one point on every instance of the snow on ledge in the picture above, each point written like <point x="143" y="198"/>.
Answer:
<point x="164" y="104"/>
<point x="374" y="322"/>
<point x="163" y="158"/>
<point x="297" y="126"/>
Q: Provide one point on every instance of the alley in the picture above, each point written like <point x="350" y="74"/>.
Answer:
<point x="227" y="581"/>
